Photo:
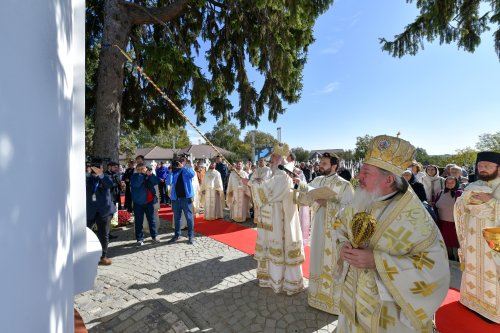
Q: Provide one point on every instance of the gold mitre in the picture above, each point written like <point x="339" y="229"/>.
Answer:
<point x="390" y="153"/>
<point x="281" y="149"/>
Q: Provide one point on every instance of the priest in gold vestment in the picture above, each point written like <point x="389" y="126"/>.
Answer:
<point x="279" y="250"/>
<point x="212" y="193"/>
<point x="476" y="209"/>
<point x="238" y="195"/>
<point x="261" y="173"/>
<point x="323" y="291"/>
<point x="396" y="276"/>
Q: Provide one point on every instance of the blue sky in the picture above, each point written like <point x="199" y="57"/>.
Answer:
<point x="441" y="100"/>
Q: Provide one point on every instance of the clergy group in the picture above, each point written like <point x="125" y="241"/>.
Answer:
<point x="377" y="259"/>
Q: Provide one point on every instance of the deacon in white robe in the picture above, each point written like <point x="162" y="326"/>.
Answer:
<point x="476" y="209"/>
<point x="261" y="173"/>
<point x="279" y="250"/>
<point x="238" y="195"/>
<point x="212" y="193"/>
<point x="399" y="275"/>
<point x="323" y="291"/>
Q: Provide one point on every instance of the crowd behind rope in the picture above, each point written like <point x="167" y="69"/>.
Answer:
<point x="297" y="203"/>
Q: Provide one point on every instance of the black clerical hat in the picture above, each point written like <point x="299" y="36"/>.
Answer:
<point x="488" y="156"/>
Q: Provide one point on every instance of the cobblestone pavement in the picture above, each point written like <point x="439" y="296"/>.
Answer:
<point x="205" y="287"/>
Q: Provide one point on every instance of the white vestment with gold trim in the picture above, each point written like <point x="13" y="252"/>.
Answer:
<point x="260" y="173"/>
<point x="213" y="197"/>
<point x="412" y="275"/>
<point x="323" y="291"/>
<point x="238" y="197"/>
<point x="279" y="250"/>
<point x="480" y="287"/>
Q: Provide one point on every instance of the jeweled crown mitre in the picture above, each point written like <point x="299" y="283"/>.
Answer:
<point x="390" y="153"/>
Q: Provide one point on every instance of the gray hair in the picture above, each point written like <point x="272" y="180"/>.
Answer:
<point x="400" y="184"/>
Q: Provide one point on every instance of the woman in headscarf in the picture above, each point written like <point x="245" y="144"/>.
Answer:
<point x="445" y="202"/>
<point x="417" y="187"/>
<point x="433" y="184"/>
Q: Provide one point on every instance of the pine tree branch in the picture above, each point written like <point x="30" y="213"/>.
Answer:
<point x="145" y="15"/>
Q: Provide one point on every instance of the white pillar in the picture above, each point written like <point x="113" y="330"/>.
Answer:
<point x="41" y="161"/>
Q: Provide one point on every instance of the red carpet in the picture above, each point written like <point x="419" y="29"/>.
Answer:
<point x="453" y="317"/>
<point x="232" y="234"/>
<point x="79" y="325"/>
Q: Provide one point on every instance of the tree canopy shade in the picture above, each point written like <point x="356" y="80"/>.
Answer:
<point x="461" y="21"/>
<point x="166" y="36"/>
<point x="489" y="142"/>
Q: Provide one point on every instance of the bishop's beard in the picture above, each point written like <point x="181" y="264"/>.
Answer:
<point x="364" y="200"/>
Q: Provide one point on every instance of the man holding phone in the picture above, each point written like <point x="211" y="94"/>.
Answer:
<point x="100" y="206"/>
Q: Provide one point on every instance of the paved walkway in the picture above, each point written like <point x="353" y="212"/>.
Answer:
<point x="205" y="287"/>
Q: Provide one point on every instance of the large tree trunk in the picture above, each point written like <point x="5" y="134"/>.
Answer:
<point x="119" y="17"/>
<point x="110" y="81"/>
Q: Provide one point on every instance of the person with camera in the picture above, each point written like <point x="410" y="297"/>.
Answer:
<point x="182" y="196"/>
<point x="100" y="206"/>
<point x="128" y="194"/>
<point x="144" y="197"/>
<point x="113" y="172"/>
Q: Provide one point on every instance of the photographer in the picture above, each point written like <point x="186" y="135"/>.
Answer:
<point x="144" y="197"/>
<point x="126" y="178"/>
<point x="182" y="197"/>
<point x="100" y="207"/>
<point x="113" y="172"/>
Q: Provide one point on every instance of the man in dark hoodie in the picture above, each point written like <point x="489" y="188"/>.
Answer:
<point x="144" y="198"/>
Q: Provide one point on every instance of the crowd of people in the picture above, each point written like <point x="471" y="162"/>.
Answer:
<point x="379" y="252"/>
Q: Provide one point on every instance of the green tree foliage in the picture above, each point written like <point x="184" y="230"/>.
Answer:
<point x="361" y="148"/>
<point x="165" y="138"/>
<point x="464" y="156"/>
<point x="489" y="142"/>
<point x="166" y="38"/>
<point x="346" y="155"/>
<point x="224" y="134"/>
<point x="301" y="154"/>
<point x="461" y="21"/>
<point x="89" y="134"/>
<point x="422" y="156"/>
<point x="261" y="138"/>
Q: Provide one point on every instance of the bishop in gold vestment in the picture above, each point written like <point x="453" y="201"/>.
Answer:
<point x="397" y="278"/>
<point x="476" y="209"/>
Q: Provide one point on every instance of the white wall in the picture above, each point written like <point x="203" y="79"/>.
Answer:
<point x="37" y="204"/>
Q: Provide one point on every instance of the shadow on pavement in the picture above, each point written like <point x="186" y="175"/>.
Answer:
<point x="200" y="276"/>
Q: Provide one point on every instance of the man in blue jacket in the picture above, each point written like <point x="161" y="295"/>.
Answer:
<point x="100" y="206"/>
<point x="162" y="174"/>
<point x="144" y="198"/>
<point x="181" y="195"/>
<point x="223" y="170"/>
